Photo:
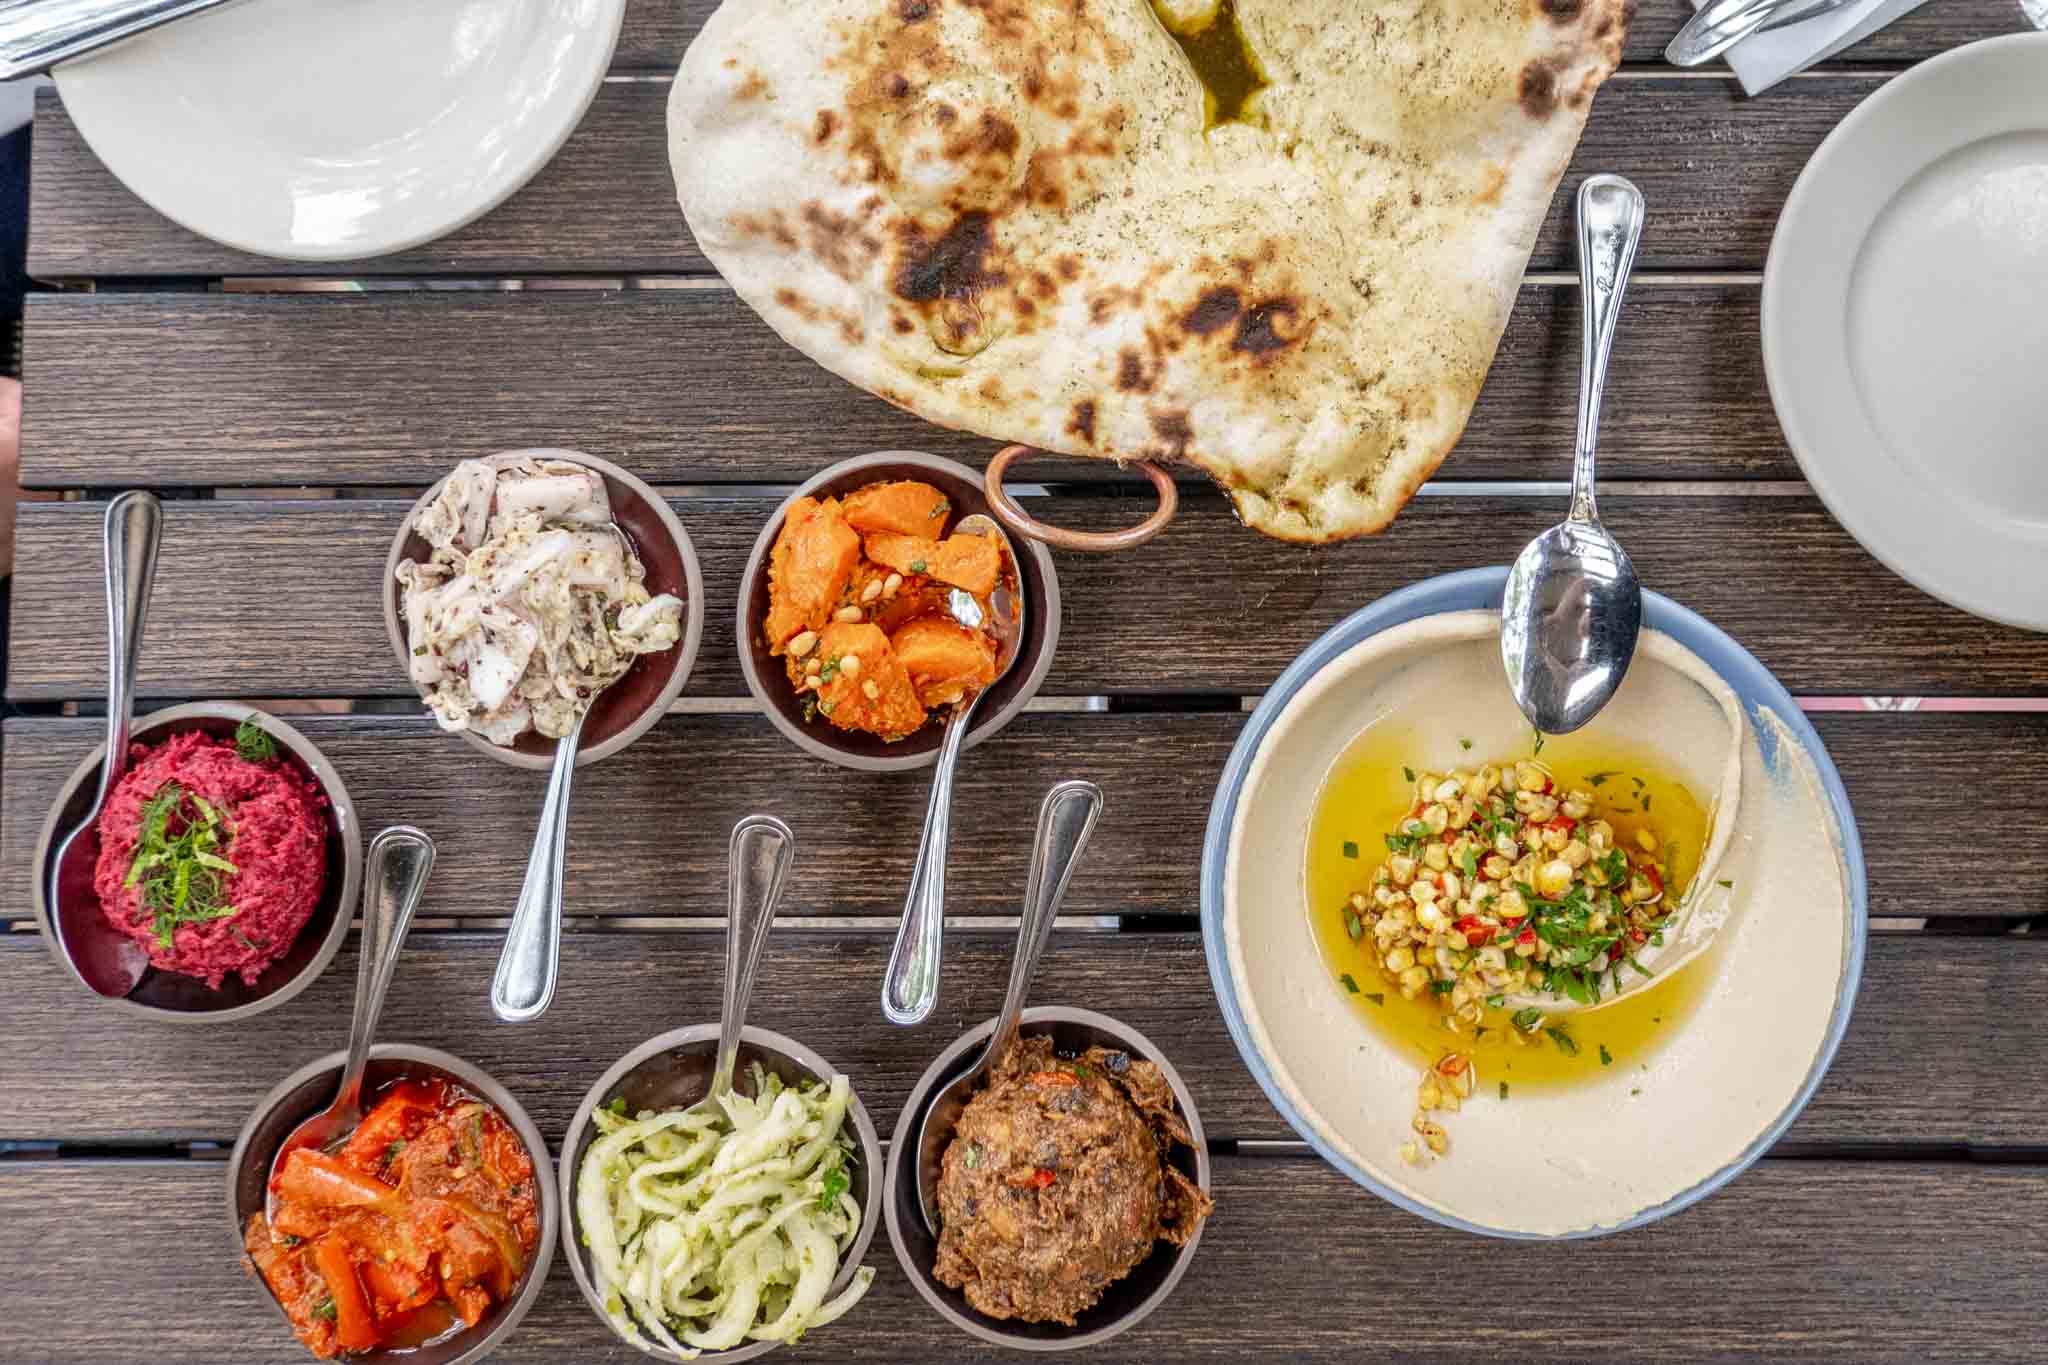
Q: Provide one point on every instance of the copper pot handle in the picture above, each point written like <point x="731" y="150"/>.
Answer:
<point x="1012" y="514"/>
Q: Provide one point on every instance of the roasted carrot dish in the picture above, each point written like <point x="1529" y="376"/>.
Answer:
<point x="860" y="593"/>
<point x="404" y="1233"/>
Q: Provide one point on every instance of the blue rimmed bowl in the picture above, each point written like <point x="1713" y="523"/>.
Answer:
<point x="1628" y="1144"/>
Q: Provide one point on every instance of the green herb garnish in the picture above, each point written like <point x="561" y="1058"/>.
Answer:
<point x="1539" y="740"/>
<point x="1464" y="743"/>
<point x="1349" y="984"/>
<point x="917" y="566"/>
<point x="324" y="1309"/>
<point x="1728" y="885"/>
<point x="1606" y="1057"/>
<point x="1494" y="1002"/>
<point x="392" y="1149"/>
<point x="1408" y="773"/>
<point x="1442" y="987"/>
<point x="253" y="743"/>
<point x="973" y="1155"/>
<point x="1468" y="863"/>
<point x="1597" y="779"/>
<point x="837" y="1182"/>
<point x="1527" y="1019"/>
<point x="178" y="864"/>
<point x="1350" y="849"/>
<point x="1377" y="998"/>
<point x="1353" y="925"/>
<point x="1566" y="1044"/>
<point x="1503" y="1089"/>
<point x="618" y="1106"/>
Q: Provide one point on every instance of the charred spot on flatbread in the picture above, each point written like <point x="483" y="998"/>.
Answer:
<point x="1536" y="88"/>
<point x="1082" y="422"/>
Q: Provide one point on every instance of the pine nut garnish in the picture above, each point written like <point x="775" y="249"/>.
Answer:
<point x="804" y="643"/>
<point x="849" y="664"/>
<point x="892" y="583"/>
<point x="871" y="592"/>
<point x="869" y="690"/>
<point x="847" y="615"/>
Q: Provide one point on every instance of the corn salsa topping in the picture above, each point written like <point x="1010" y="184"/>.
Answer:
<point x="1497" y="882"/>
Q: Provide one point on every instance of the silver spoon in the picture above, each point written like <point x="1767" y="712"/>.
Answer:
<point x="911" y="987"/>
<point x="35" y="35"/>
<point x="531" y="962"/>
<point x="1065" y="822"/>
<point x="107" y="960"/>
<point x="759" y="858"/>
<point x="1572" y="607"/>
<point x="1721" y="24"/>
<point x="400" y="861"/>
<point x="524" y="984"/>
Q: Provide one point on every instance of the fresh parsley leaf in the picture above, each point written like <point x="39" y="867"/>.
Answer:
<point x="1729" y="885"/>
<point x="1606" y="1057"/>
<point x="1566" y="1044"/>
<point x="1600" y="778"/>
<point x="1646" y="800"/>
<point x="1503" y="1089"/>
<point x="325" y="1310"/>
<point x="1494" y="1002"/>
<point x="1528" y="1019"/>
<point x="1468" y="863"/>
<point x="1353" y="925"/>
<point x="1408" y="772"/>
<point x="618" y="1106"/>
<point x="1539" y="741"/>
<point x="253" y="743"/>
<point x="1442" y="987"/>
<point x="1350" y="849"/>
<point x="1464" y="743"/>
<point x="1349" y="984"/>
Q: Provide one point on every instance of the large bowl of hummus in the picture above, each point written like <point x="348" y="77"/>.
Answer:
<point x="1531" y="986"/>
<point x="230" y="859"/>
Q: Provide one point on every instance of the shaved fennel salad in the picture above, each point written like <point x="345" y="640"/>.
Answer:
<point x="708" y="1228"/>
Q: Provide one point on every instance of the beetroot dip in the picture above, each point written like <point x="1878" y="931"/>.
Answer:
<point x="266" y="819"/>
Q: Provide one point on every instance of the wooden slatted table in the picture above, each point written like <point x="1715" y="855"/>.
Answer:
<point x="287" y="414"/>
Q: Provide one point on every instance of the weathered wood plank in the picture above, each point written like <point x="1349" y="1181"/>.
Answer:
<point x="1929" y="1059"/>
<point x="667" y="855"/>
<point x="1158" y="773"/>
<point x="657" y="31"/>
<point x="1208" y="607"/>
<point x="1717" y="165"/>
<point x="1296" y="1262"/>
<point x="691" y="386"/>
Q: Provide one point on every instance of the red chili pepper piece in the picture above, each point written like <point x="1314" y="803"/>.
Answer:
<point x="1041" y="1177"/>
<point x="1477" y="932"/>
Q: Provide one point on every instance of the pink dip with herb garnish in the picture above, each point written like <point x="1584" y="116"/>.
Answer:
<point x="213" y="854"/>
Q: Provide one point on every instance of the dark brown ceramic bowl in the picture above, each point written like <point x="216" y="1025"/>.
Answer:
<point x="309" y="1090"/>
<point x="871" y="753"/>
<point x="1125" y="1303"/>
<point x="629" y="707"/>
<point x="186" y="999"/>
<point x="672" y="1071"/>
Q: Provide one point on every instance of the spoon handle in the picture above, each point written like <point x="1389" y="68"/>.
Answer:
<point x="134" y="530"/>
<point x="759" y="856"/>
<point x="35" y="35"/>
<point x="1066" y="821"/>
<point x="524" y="985"/>
<point x="911" y="987"/>
<point x="394" y="877"/>
<point x="1611" y="214"/>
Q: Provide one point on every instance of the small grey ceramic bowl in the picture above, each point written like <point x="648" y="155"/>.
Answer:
<point x="673" y="1070"/>
<point x="629" y="707"/>
<point x="186" y="999"/>
<point x="1125" y="1303"/>
<point x="309" y="1090"/>
<point x="871" y="753"/>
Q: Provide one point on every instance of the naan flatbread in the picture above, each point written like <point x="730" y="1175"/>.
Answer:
<point x="1023" y="218"/>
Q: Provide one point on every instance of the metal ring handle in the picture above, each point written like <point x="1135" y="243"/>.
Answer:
<point x="1012" y="515"/>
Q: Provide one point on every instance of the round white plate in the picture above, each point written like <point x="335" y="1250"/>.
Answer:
<point x="330" y="130"/>
<point x="1905" y="326"/>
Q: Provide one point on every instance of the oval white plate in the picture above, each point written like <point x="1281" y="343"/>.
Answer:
<point x="1905" y="326"/>
<point x="332" y="130"/>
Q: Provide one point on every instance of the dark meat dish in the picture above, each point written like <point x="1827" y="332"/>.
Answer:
<point x="1057" y="1184"/>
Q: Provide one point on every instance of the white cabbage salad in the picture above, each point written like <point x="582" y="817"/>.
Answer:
<point x="531" y="603"/>
<point x="708" y="1228"/>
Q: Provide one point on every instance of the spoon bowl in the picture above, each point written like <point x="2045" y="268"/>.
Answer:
<point x="399" y="862"/>
<point x="1573" y="607"/>
<point x="910" y="988"/>
<point x="1066" y="821"/>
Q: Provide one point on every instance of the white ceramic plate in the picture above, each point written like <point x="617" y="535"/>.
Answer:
<point x="1905" y="326"/>
<point x="331" y="130"/>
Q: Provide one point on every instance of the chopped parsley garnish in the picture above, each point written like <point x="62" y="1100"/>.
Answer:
<point x="1566" y="1044"/>
<point x="253" y="743"/>
<point x="1646" y="800"/>
<point x="324" y="1310"/>
<point x="1408" y="773"/>
<point x="1353" y="925"/>
<point x="1468" y="863"/>
<point x="1503" y="1089"/>
<point x="392" y="1149"/>
<point x="178" y="862"/>
<point x="1494" y="1002"/>
<point x="1464" y="743"/>
<point x="1606" y="1057"/>
<point x="1527" y="1019"/>
<point x="1401" y="843"/>
<point x="1442" y="987"/>
<point x="1349" y="984"/>
<point x="1539" y="741"/>
<point x="1376" y="997"/>
<point x="837" y="1182"/>
<point x="618" y="1106"/>
<point x="917" y="566"/>
<point x="1729" y="885"/>
<point x="1350" y="849"/>
<point x="1599" y="779"/>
